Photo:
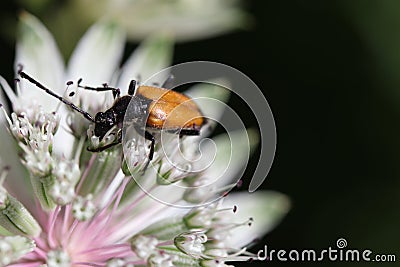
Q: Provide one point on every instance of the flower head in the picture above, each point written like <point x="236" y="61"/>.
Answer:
<point x="79" y="208"/>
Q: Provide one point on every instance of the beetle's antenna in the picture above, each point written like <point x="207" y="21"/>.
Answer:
<point x="41" y="86"/>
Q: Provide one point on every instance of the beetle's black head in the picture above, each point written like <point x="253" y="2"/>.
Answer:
<point x="104" y="121"/>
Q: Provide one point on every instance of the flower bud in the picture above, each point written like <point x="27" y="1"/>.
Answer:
<point x="15" y="218"/>
<point x="143" y="246"/>
<point x="191" y="243"/>
<point x="58" y="258"/>
<point x="14" y="247"/>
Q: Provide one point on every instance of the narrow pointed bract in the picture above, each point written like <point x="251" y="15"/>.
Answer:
<point x="37" y="52"/>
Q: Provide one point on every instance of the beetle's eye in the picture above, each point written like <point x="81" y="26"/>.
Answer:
<point x="99" y="117"/>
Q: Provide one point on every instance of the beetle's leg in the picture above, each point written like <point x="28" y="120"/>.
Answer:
<point x="150" y="137"/>
<point x="132" y="87"/>
<point x="116" y="92"/>
<point x="184" y="132"/>
<point x="189" y="132"/>
<point x="102" y="148"/>
<point x="169" y="82"/>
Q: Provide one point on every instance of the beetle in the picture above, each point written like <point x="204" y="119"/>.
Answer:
<point x="163" y="109"/>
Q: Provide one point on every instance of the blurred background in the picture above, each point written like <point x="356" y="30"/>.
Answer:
<point x="330" y="71"/>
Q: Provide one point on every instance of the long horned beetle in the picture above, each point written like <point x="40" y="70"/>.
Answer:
<point x="162" y="108"/>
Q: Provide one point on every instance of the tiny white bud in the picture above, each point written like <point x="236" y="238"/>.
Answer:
<point x="191" y="243"/>
<point x="160" y="259"/>
<point x="83" y="208"/>
<point x="14" y="247"/>
<point x="58" y="258"/>
<point x="66" y="175"/>
<point x="118" y="263"/>
<point x="201" y="217"/>
<point x="143" y="246"/>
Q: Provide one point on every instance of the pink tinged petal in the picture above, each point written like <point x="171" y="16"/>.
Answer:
<point x="142" y="210"/>
<point x="38" y="53"/>
<point x="150" y="57"/>
<point x="140" y="216"/>
<point x="28" y="264"/>
<point x="95" y="60"/>
<point x="267" y="208"/>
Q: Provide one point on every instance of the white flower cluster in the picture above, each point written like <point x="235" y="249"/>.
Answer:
<point x="13" y="247"/>
<point x="56" y="258"/>
<point x="83" y="208"/>
<point x="34" y="130"/>
<point x="203" y="235"/>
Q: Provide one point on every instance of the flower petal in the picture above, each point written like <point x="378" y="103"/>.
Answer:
<point x="228" y="155"/>
<point x="8" y="157"/>
<point x="9" y="92"/>
<point x="211" y="98"/>
<point x="17" y="182"/>
<point x="95" y="59"/>
<point x="187" y="20"/>
<point x="150" y="57"/>
<point x="38" y="53"/>
<point x="63" y="139"/>
<point x="267" y="209"/>
<point x="217" y="94"/>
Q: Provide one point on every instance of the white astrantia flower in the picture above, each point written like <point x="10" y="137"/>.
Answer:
<point x="67" y="206"/>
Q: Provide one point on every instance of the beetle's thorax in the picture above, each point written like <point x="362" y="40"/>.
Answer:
<point x="133" y="109"/>
<point x="137" y="111"/>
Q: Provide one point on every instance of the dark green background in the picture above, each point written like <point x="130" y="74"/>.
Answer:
<point x="330" y="71"/>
